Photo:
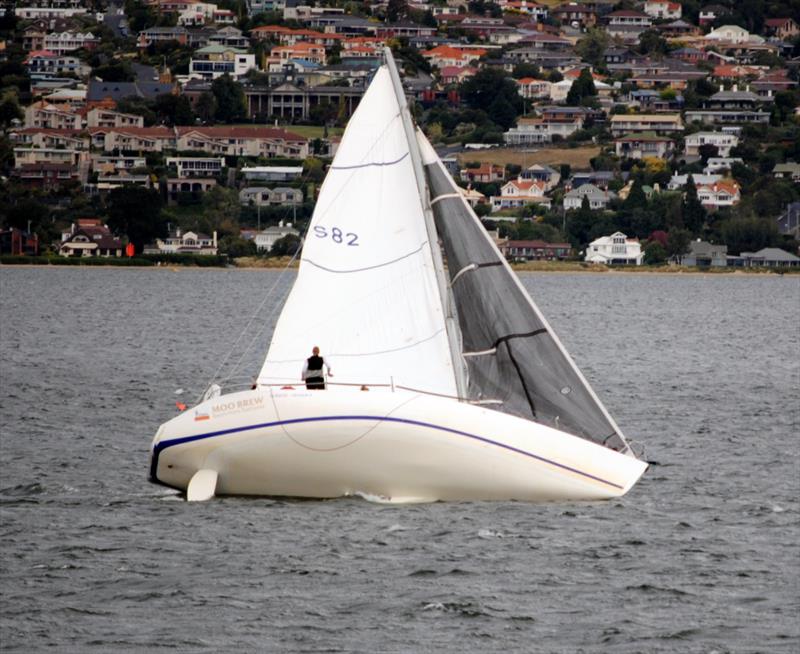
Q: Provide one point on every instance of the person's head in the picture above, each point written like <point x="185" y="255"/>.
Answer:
<point x="315" y="351"/>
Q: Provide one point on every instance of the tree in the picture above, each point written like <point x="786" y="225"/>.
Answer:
<point x="231" y="101"/>
<point x="592" y="47"/>
<point x="135" y="211"/>
<point x="678" y="241"/>
<point x="9" y="107"/>
<point x="653" y="44"/>
<point x="706" y="151"/>
<point x="220" y="211"/>
<point x="525" y="69"/>
<point x="491" y="90"/>
<point x="636" y="198"/>
<point x="654" y="253"/>
<point x="174" y="109"/>
<point x="395" y="10"/>
<point x="749" y="234"/>
<point x="285" y="246"/>
<point x="694" y="213"/>
<point x="206" y="106"/>
<point x="582" y="87"/>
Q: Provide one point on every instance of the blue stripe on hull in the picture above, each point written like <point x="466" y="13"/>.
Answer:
<point x="189" y="439"/>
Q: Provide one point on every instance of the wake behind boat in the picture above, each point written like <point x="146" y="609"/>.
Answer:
<point x="450" y="385"/>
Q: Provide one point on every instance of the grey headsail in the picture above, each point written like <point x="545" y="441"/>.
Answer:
<point x="513" y="357"/>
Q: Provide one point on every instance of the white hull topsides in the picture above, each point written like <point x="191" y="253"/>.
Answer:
<point x="390" y="445"/>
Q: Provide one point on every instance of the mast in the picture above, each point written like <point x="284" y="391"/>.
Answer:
<point x="450" y="321"/>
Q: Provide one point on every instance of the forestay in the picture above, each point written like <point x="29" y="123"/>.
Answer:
<point x="366" y="290"/>
<point x="513" y="356"/>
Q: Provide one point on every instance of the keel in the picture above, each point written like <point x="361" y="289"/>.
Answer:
<point x="202" y="486"/>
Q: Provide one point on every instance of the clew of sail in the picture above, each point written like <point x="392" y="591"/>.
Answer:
<point x="513" y="356"/>
<point x="366" y="291"/>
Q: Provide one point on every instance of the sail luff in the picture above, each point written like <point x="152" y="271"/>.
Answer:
<point x="451" y="322"/>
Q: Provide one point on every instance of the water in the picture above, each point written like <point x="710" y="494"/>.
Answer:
<point x="702" y="555"/>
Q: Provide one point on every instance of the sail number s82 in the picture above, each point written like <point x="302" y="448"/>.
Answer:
<point x="336" y="235"/>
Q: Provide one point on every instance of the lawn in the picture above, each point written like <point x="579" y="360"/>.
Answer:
<point x="577" y="158"/>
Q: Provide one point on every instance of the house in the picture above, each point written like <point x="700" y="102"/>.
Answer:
<point x="215" y="61"/>
<point x="575" y="14"/>
<point x="261" y="197"/>
<point x="266" y="238"/>
<point x="18" y="242"/>
<point x="445" y="55"/>
<point x="722" y="141"/>
<point x="637" y="123"/>
<point x="720" y="164"/>
<point x="788" y="170"/>
<point x="188" y="186"/>
<point x="705" y="255"/>
<point x="45" y="175"/>
<point x="771" y="258"/>
<point x="62" y="42"/>
<point x="43" y="115"/>
<point x="484" y="173"/>
<point x="616" y="249"/>
<point x="89" y="237"/>
<point x="662" y="9"/>
<point x="456" y="74"/>
<point x="677" y="181"/>
<point x="196" y="166"/>
<point x="531" y="88"/>
<point x="726" y="116"/>
<point x="598" y="198"/>
<point x="154" y="35"/>
<point x="179" y="242"/>
<point x="641" y="146"/>
<point x="724" y="193"/>
<point x="732" y="34"/>
<point x="530" y="131"/>
<point x="519" y="193"/>
<point x="733" y="99"/>
<point x="600" y="178"/>
<point x="100" y="117"/>
<point x="46" y="63"/>
<point x="783" y="28"/>
<point x="272" y="173"/>
<point x="312" y="52"/>
<point x="534" y="250"/>
<point x="543" y="174"/>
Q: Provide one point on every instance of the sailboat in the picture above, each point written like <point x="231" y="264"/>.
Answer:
<point x="449" y="382"/>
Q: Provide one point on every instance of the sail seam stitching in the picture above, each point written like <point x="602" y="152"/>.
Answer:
<point x="508" y="337"/>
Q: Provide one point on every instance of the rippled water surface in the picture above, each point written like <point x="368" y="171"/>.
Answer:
<point x="701" y="556"/>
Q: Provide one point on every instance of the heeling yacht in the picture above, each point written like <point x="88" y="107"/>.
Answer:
<point x="450" y="384"/>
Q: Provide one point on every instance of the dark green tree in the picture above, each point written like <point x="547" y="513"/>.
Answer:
<point x="135" y="212"/>
<point x="694" y="214"/>
<point x="526" y="70"/>
<point x="206" y="106"/>
<point x="636" y="198"/>
<point x="653" y="44"/>
<point x="396" y="10"/>
<point x="231" y="102"/>
<point x="654" y="253"/>
<point x="678" y="241"/>
<point x="174" y="109"/>
<point x="749" y="234"/>
<point x="285" y="246"/>
<point x="581" y="89"/>
<point x="490" y="89"/>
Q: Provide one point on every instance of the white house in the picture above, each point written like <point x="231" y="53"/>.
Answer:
<point x="677" y="182"/>
<point x="723" y="141"/>
<point x="518" y="193"/>
<point x="216" y="60"/>
<point x="663" y="9"/>
<point x="733" y="34"/>
<point x="266" y="238"/>
<point x="720" y="164"/>
<point x="598" y="198"/>
<point x="615" y="249"/>
<point x="724" y="193"/>
<point x="179" y="242"/>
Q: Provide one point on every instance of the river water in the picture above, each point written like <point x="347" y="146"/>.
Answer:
<point x="701" y="556"/>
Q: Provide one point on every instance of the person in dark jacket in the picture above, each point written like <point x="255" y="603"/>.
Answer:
<point x="313" y="374"/>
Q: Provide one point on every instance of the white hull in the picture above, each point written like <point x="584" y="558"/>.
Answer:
<point x="395" y="446"/>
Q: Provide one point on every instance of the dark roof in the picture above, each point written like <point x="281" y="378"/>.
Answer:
<point x="98" y="90"/>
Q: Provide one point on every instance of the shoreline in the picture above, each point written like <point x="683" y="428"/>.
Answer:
<point x="554" y="267"/>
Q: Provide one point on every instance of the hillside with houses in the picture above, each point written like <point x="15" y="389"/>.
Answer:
<point x="611" y="132"/>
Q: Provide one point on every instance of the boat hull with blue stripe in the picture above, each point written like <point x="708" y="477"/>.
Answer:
<point x="388" y="445"/>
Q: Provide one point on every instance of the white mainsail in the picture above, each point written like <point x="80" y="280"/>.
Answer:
<point x="366" y="292"/>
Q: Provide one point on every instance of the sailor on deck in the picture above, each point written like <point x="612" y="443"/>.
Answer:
<point x="312" y="371"/>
